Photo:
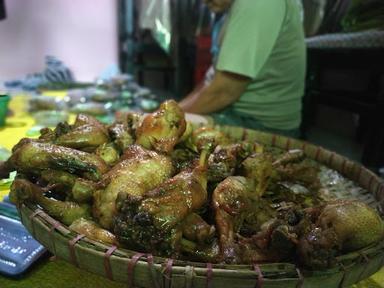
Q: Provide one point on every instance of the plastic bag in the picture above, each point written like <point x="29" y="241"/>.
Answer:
<point x="155" y="15"/>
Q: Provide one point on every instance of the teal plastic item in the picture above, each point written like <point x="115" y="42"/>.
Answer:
<point x="4" y="99"/>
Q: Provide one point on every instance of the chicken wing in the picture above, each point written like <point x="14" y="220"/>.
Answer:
<point x="66" y="212"/>
<point x="154" y="223"/>
<point x="86" y="137"/>
<point x="230" y="201"/>
<point x="162" y="130"/>
<point x="122" y="135"/>
<point x="34" y="157"/>
<point x="92" y="230"/>
<point x="226" y="158"/>
<point x="109" y="153"/>
<point x="340" y="226"/>
<point x="197" y="230"/>
<point x="139" y="171"/>
<point x="206" y="138"/>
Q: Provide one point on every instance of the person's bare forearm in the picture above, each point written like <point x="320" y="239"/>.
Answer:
<point x="224" y="90"/>
<point x="206" y="100"/>
<point x="187" y="102"/>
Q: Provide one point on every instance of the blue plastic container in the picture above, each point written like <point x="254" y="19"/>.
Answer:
<point x="18" y="250"/>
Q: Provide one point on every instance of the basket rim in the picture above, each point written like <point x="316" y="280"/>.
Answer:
<point x="40" y="217"/>
<point x="350" y="169"/>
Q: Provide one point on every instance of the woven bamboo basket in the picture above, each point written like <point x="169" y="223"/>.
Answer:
<point x="145" y="270"/>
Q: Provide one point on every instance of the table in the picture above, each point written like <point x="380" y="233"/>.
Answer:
<point x="346" y="71"/>
<point x="50" y="272"/>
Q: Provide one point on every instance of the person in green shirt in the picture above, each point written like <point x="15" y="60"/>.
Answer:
<point x="260" y="68"/>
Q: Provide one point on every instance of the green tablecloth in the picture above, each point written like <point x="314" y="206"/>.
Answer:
<point x="54" y="273"/>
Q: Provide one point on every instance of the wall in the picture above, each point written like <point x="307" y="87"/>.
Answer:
<point x="81" y="33"/>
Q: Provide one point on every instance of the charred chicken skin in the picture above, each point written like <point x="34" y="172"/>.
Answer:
<point x="139" y="171"/>
<point x="153" y="222"/>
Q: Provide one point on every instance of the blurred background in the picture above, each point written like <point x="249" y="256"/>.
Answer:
<point x="164" y="46"/>
<point x="84" y="36"/>
<point x="59" y="58"/>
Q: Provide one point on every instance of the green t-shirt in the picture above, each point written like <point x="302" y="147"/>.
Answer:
<point x="264" y="40"/>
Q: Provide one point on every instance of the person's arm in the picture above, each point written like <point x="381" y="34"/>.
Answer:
<point x="250" y="36"/>
<point x="224" y="90"/>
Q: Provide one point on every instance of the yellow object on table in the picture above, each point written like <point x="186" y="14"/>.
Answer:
<point x="16" y="126"/>
<point x="19" y="123"/>
<point x="59" y="273"/>
<point x="46" y="273"/>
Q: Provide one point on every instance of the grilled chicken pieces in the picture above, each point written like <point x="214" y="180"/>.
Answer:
<point x="154" y="221"/>
<point x="139" y="171"/>
<point x="32" y="157"/>
<point x="158" y="185"/>
<point x="162" y="130"/>
<point x="66" y="212"/>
